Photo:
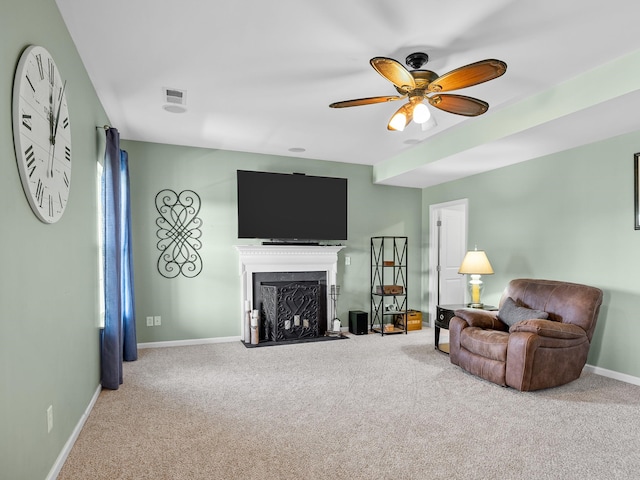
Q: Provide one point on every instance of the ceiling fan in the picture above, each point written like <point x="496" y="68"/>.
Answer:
<point x="417" y="84"/>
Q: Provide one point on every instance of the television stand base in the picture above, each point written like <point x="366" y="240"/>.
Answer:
<point x="285" y="242"/>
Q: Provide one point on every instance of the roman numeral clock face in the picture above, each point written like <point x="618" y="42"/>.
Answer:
<point x="42" y="133"/>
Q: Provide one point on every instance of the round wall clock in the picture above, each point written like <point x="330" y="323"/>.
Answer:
<point x="42" y="133"/>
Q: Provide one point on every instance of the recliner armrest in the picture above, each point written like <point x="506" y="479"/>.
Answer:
<point x="549" y="328"/>
<point x="481" y="319"/>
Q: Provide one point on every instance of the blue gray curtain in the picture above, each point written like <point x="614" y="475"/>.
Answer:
<point x="118" y="338"/>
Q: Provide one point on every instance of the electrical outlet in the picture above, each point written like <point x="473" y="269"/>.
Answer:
<point x="49" y="418"/>
<point x="149" y="321"/>
<point x="347" y="260"/>
<point x="157" y="321"/>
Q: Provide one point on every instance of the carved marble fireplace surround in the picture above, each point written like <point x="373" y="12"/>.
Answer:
<point x="285" y="258"/>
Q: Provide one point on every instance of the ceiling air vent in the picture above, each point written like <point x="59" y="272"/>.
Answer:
<point x="174" y="100"/>
<point x="175" y="96"/>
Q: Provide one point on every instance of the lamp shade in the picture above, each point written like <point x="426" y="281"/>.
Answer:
<point x="401" y="118"/>
<point x="398" y="122"/>
<point x="421" y="113"/>
<point x="475" y="262"/>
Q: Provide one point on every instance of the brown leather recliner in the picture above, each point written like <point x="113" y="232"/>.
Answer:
<point x="531" y="354"/>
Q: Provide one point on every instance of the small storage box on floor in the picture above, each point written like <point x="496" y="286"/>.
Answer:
<point x="414" y="322"/>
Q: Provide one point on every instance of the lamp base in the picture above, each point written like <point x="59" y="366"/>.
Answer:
<point x="475" y="291"/>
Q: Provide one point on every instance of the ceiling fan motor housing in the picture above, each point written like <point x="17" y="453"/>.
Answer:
<point x="417" y="60"/>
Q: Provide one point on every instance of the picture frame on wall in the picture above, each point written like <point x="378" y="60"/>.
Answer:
<point x="636" y="194"/>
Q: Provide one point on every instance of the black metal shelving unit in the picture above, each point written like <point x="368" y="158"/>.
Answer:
<point x="389" y="279"/>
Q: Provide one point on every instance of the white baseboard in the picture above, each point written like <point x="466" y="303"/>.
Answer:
<point x="623" y="377"/>
<point x="57" y="466"/>
<point x="199" y="341"/>
<point x="186" y="343"/>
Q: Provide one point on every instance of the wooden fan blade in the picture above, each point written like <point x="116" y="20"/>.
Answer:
<point x="365" y="101"/>
<point x="407" y="110"/>
<point x="394" y="72"/>
<point x="459" y="104"/>
<point x="469" y="75"/>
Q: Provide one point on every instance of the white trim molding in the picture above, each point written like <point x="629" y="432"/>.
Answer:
<point x="64" y="453"/>
<point x="188" y="343"/>
<point x="623" y="377"/>
<point x="284" y="258"/>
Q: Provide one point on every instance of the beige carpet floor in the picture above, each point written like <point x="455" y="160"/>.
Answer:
<point x="369" y="407"/>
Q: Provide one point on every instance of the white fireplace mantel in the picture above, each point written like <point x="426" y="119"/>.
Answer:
<point x="284" y="258"/>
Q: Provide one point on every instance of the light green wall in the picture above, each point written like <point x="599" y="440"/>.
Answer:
<point x="209" y="304"/>
<point x="48" y="313"/>
<point x="567" y="216"/>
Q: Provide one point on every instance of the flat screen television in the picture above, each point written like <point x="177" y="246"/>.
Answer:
<point x="291" y="207"/>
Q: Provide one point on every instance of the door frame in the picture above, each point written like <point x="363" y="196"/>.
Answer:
<point x="434" y="216"/>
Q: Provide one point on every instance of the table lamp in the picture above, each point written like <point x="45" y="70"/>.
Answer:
<point x="475" y="263"/>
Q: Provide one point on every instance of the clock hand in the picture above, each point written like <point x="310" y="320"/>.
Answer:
<point x="52" y="139"/>
<point x="52" y="152"/>
<point x="54" y="128"/>
<point x="50" y="112"/>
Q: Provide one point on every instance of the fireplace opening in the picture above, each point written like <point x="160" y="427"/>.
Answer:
<point x="291" y="310"/>
<point x="303" y="296"/>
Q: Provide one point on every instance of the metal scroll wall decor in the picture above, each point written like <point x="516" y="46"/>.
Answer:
<point x="178" y="233"/>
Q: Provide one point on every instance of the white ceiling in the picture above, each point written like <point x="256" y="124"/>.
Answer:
<point x="259" y="76"/>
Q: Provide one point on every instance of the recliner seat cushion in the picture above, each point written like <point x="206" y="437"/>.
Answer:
<point x="485" y="343"/>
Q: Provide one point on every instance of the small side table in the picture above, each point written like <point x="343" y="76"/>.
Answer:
<point x="444" y="314"/>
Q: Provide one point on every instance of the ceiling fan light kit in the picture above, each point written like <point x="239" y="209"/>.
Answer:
<point x="421" y="113"/>
<point x="399" y="120"/>
<point x="417" y="84"/>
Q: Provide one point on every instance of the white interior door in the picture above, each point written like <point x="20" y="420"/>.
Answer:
<point x="447" y="246"/>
